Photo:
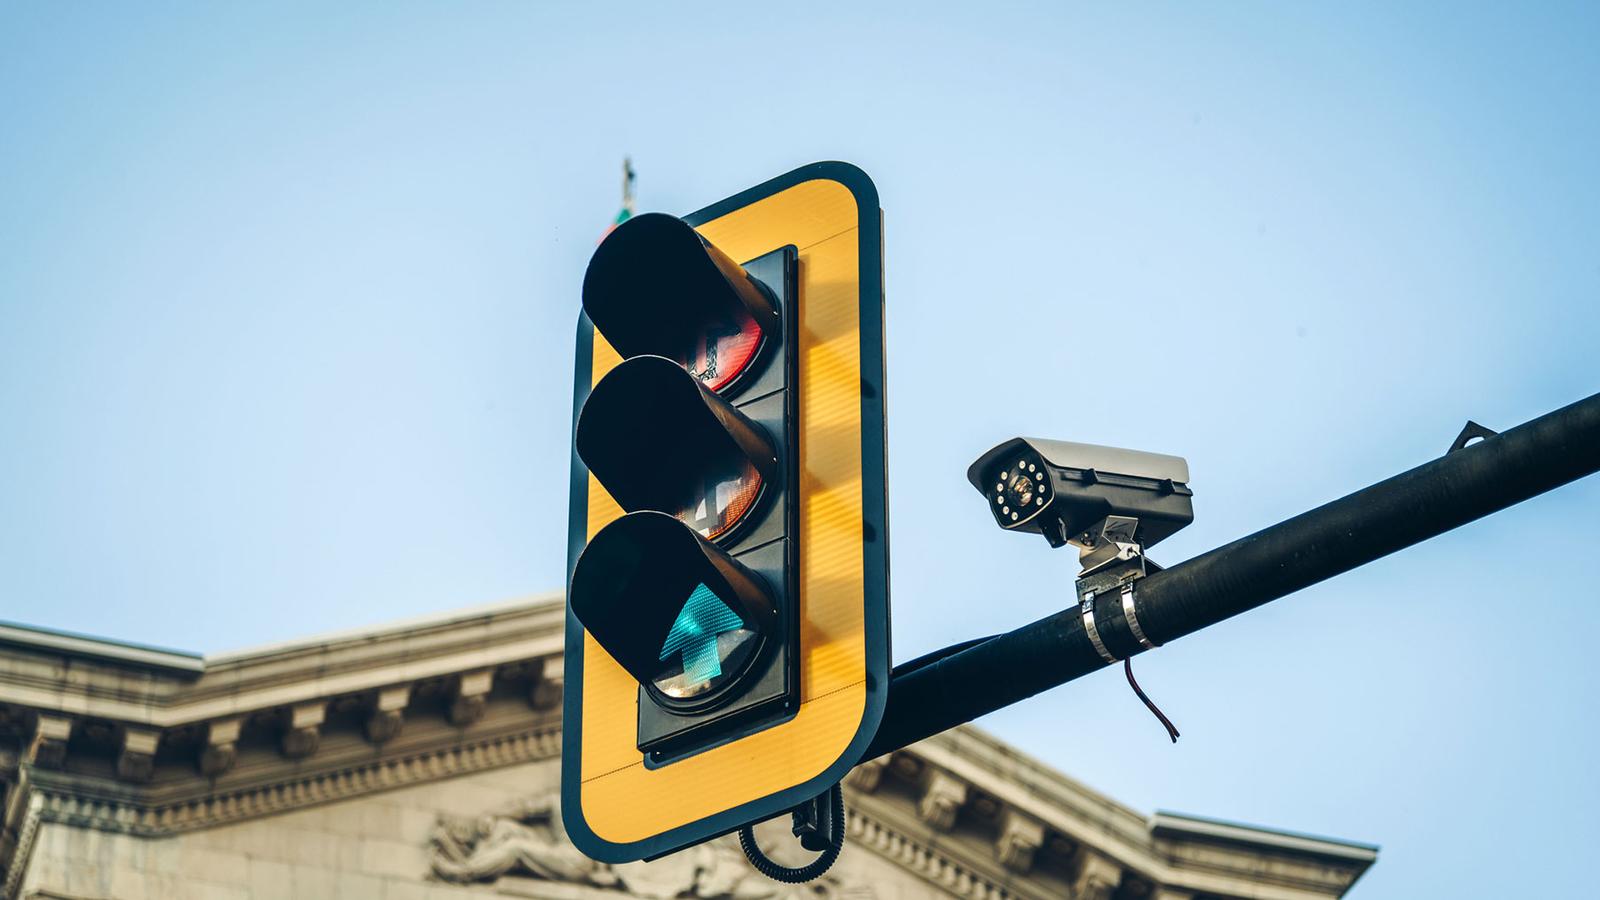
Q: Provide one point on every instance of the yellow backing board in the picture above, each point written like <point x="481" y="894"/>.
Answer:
<point x="633" y="811"/>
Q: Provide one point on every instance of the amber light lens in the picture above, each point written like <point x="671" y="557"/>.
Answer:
<point x="658" y="438"/>
<point x="724" y="351"/>
<point x="723" y="502"/>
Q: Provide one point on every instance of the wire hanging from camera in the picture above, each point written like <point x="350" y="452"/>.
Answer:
<point x="1114" y="560"/>
<point x="1172" y="730"/>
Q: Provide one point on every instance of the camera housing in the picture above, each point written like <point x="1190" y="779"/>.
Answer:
<point x="1067" y="491"/>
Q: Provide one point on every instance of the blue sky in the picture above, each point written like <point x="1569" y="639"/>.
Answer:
<point x="287" y="296"/>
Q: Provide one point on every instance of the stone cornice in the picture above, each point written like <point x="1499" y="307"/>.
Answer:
<point x="113" y="737"/>
<point x="67" y="799"/>
<point x="997" y="785"/>
<point x="1173" y="825"/>
<point x="934" y="863"/>
<point x="1019" y="781"/>
<point x="79" y="645"/>
<point x="961" y="859"/>
<point x="48" y="676"/>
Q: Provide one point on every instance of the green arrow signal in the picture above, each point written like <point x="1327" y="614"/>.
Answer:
<point x="694" y="634"/>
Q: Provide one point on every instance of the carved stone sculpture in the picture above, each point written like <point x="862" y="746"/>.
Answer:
<point x="527" y="839"/>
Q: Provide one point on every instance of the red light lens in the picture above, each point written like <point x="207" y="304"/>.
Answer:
<point x="724" y="351"/>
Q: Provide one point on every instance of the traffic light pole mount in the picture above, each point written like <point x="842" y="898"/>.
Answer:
<point x="1464" y="485"/>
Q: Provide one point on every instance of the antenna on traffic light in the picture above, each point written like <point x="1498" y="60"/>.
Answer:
<point x="626" y="211"/>
<point x="627" y="185"/>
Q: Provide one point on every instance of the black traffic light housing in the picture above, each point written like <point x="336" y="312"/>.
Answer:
<point x="661" y="442"/>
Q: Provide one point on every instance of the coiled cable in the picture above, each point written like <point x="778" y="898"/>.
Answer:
<point x="813" y="869"/>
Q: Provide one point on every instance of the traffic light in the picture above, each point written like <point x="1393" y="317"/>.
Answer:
<point x="727" y="652"/>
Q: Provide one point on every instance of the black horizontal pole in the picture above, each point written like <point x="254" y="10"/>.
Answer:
<point x="1391" y="515"/>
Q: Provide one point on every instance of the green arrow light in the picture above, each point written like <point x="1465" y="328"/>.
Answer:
<point x="694" y="634"/>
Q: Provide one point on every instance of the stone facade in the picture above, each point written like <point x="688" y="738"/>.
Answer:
<point x="422" y="761"/>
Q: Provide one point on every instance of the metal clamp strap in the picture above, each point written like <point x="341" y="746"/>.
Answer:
<point x="1133" y="619"/>
<point x="1087" y="605"/>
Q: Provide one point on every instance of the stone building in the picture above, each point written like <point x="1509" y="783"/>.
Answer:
<point x="421" y="761"/>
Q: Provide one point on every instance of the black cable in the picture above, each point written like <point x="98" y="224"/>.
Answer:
<point x="814" y="869"/>
<point x="1127" y="669"/>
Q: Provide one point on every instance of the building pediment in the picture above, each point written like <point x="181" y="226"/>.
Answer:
<point x="151" y="743"/>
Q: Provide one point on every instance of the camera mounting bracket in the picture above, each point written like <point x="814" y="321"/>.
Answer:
<point x="1111" y="561"/>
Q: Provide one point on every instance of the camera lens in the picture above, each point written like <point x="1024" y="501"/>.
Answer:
<point x="1020" y="491"/>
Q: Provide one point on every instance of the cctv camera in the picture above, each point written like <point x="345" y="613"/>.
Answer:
<point x="1067" y="491"/>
